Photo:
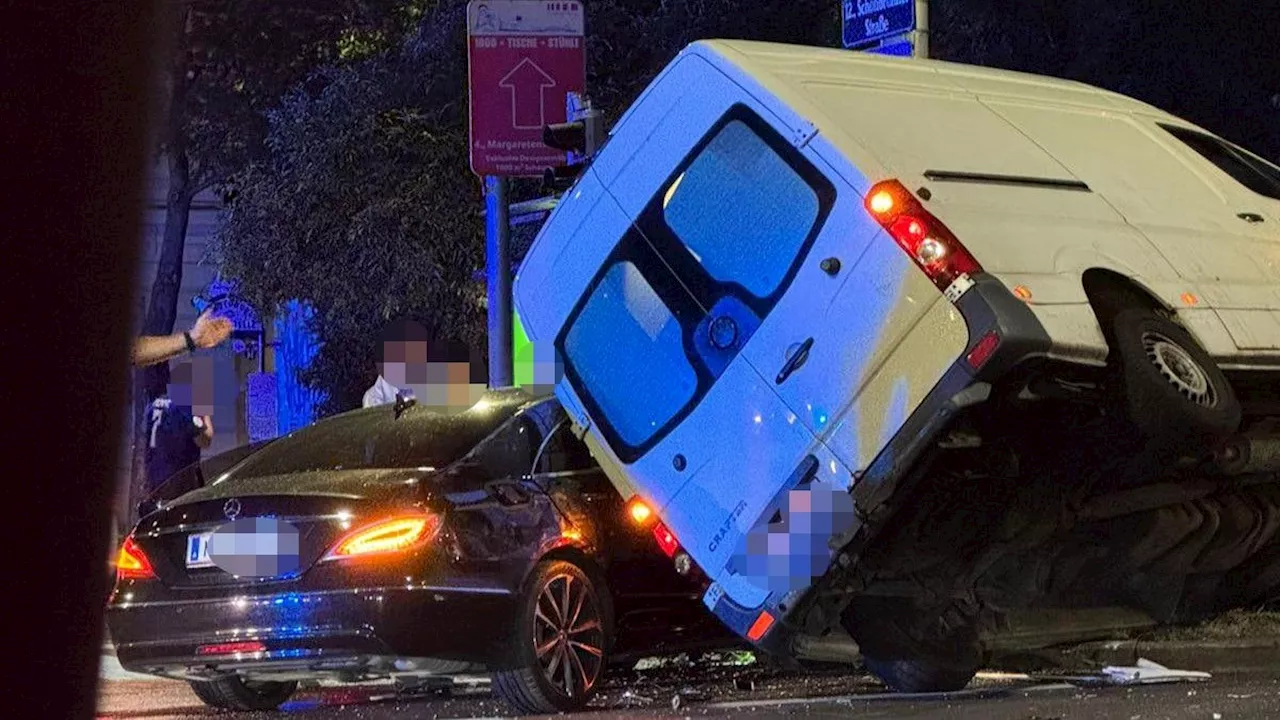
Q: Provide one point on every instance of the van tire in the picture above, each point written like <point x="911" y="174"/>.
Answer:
<point x="919" y="675"/>
<point x="233" y="692"/>
<point x="1173" y="391"/>
<point x="908" y="652"/>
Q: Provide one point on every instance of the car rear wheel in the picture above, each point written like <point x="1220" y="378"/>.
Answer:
<point x="561" y="642"/>
<point x="235" y="693"/>
<point x="1172" y="388"/>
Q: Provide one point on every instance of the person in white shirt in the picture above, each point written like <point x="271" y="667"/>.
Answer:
<point x="404" y="362"/>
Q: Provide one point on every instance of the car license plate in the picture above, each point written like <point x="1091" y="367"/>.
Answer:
<point x="198" y="550"/>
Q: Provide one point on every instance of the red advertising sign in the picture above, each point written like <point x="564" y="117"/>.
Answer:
<point x="525" y="56"/>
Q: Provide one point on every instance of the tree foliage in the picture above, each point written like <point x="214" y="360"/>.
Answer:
<point x="229" y="61"/>
<point x="366" y="206"/>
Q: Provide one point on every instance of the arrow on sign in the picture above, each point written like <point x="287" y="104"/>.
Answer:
<point x="527" y="83"/>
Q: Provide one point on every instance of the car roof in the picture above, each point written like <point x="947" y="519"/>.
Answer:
<point x="492" y="409"/>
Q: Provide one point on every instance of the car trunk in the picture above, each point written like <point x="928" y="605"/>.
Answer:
<point x="323" y="506"/>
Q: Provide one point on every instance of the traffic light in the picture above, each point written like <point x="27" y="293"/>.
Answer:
<point x="570" y="137"/>
<point x="579" y="138"/>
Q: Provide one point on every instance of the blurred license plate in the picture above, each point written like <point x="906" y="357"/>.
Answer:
<point x="198" y="550"/>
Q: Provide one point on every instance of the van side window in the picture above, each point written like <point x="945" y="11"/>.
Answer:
<point x="742" y="211"/>
<point x="624" y="318"/>
<point x="1254" y="174"/>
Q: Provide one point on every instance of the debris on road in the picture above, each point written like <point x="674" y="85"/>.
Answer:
<point x="633" y="698"/>
<point x="1145" y="672"/>
<point x="685" y="695"/>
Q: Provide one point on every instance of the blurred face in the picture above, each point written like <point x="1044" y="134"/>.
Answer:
<point x="191" y="385"/>
<point x="448" y="385"/>
<point x="404" y="363"/>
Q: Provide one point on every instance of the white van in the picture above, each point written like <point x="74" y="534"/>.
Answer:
<point x="803" y="295"/>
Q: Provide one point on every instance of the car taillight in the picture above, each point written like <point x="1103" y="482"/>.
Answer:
<point x="232" y="648"/>
<point x="391" y="535"/>
<point x="132" y="563"/>
<point x="921" y="235"/>
<point x="666" y="540"/>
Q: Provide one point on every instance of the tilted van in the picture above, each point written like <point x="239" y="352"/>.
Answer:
<point x="906" y="347"/>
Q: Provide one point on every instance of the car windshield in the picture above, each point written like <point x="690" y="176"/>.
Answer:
<point x="374" y="438"/>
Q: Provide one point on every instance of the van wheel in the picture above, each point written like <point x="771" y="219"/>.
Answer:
<point x="909" y="653"/>
<point x="235" y="693"/>
<point x="919" y="675"/>
<point x="561" y="642"/>
<point x="1172" y="388"/>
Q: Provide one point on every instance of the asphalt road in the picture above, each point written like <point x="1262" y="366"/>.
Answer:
<point x="748" y="692"/>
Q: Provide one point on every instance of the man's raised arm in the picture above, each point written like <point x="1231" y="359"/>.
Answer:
<point x="208" y="332"/>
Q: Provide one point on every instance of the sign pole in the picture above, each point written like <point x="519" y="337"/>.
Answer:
<point x="497" y="245"/>
<point x="522" y="57"/>
<point x="920" y="36"/>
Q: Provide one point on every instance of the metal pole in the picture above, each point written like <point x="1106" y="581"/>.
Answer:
<point x="498" y="271"/>
<point x="920" y="37"/>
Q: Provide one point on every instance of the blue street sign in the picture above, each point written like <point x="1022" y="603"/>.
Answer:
<point x="866" y="21"/>
<point x="893" y="47"/>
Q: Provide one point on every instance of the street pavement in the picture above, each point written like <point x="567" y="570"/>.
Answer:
<point x="746" y="692"/>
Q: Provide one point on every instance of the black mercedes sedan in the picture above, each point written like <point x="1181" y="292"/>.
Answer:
<point x="401" y="541"/>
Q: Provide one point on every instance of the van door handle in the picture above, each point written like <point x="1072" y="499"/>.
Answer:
<point x="795" y="362"/>
<point x="1250" y="217"/>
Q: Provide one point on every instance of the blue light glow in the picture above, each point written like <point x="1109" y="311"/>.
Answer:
<point x="296" y="348"/>
<point x="261" y="400"/>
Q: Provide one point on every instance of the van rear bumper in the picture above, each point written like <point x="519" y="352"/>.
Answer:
<point x="988" y="307"/>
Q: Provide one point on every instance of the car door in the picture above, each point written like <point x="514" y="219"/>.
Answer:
<point x="594" y="511"/>
<point x="654" y="606"/>
<point x="501" y="520"/>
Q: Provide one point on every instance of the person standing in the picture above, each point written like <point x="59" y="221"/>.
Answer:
<point x="179" y="422"/>
<point x="403" y="364"/>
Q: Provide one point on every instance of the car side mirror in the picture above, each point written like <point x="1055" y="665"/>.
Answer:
<point x="404" y="401"/>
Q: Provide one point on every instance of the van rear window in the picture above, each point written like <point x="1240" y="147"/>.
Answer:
<point x="626" y="347"/>
<point x="723" y="235"/>
<point x="742" y="211"/>
<point x="1257" y="175"/>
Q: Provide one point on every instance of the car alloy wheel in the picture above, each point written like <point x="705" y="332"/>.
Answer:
<point x="569" y="635"/>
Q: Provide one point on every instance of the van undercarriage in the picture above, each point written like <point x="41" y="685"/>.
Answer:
<point x="1047" y="500"/>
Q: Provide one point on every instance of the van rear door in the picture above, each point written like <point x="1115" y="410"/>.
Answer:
<point x="725" y="210"/>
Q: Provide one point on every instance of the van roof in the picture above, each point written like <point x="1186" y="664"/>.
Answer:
<point x="781" y="68"/>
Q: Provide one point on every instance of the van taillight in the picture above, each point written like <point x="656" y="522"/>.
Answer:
<point x="666" y="540"/>
<point x="929" y="243"/>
